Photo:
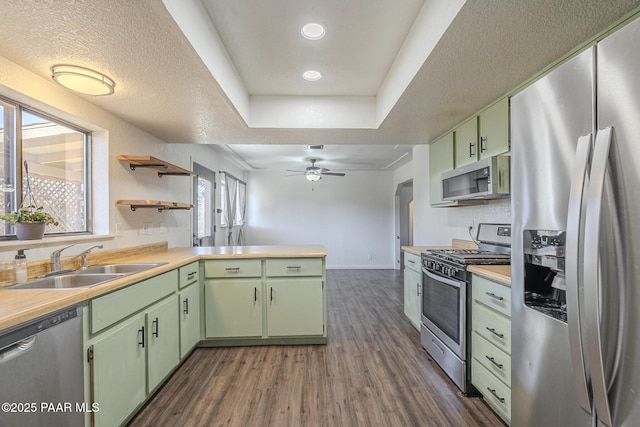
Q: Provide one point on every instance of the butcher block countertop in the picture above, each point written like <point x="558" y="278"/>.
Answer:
<point x="18" y="306"/>
<point x="497" y="273"/>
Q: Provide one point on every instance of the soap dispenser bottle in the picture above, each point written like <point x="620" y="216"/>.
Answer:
<point x="21" y="266"/>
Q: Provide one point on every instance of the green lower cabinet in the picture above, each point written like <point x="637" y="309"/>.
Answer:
<point x="163" y="346"/>
<point x="295" y="307"/>
<point x="189" y="318"/>
<point x="119" y="372"/>
<point x="233" y="308"/>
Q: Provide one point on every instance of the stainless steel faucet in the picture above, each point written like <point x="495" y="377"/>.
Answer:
<point x="56" y="265"/>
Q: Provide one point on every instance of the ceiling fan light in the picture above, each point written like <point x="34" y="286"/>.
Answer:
<point x="312" y="177"/>
<point x="82" y="80"/>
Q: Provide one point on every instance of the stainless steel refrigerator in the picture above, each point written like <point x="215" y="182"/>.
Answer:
<point x="575" y="136"/>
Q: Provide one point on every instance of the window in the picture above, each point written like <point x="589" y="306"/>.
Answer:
<point x="56" y="155"/>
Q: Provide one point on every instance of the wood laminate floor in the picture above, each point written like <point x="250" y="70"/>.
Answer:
<point x="372" y="372"/>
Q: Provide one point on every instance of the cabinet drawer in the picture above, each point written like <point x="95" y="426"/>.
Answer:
<point x="491" y="294"/>
<point x="412" y="261"/>
<point x="109" y="309"/>
<point x="233" y="268"/>
<point x="494" y="392"/>
<point x="189" y="274"/>
<point x="492" y="326"/>
<point x="283" y="267"/>
<point x="495" y="360"/>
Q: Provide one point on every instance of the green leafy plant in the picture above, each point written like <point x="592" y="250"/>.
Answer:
<point x="29" y="214"/>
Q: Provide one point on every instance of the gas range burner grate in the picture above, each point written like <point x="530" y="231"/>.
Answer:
<point x="469" y="256"/>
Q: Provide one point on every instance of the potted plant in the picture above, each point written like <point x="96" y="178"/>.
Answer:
<point x="29" y="222"/>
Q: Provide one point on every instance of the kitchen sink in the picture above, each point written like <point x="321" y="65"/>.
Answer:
<point x="119" y="268"/>
<point x="69" y="281"/>
<point x="87" y="278"/>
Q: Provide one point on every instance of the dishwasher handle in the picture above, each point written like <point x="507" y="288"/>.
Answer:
<point x="17" y="349"/>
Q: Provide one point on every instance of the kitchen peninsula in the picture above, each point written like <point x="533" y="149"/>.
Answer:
<point x="18" y="306"/>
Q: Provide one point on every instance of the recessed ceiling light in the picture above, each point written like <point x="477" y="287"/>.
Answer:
<point x="313" y="31"/>
<point x="312" y="75"/>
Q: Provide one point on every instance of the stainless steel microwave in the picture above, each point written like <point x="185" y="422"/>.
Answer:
<point x="485" y="179"/>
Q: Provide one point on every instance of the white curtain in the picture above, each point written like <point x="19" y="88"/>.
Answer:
<point x="229" y="212"/>
<point x="242" y="210"/>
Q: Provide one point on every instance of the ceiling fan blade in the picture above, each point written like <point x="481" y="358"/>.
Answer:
<point x="289" y="170"/>
<point x="333" y="173"/>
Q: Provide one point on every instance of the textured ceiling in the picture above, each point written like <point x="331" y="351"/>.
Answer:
<point x="163" y="87"/>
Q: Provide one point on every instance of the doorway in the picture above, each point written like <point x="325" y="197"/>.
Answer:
<point x="204" y="227"/>
<point x="404" y="219"/>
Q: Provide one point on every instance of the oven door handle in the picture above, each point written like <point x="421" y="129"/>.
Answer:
<point x="446" y="280"/>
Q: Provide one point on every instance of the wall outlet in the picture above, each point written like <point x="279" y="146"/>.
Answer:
<point x="146" y="228"/>
<point x="118" y="229"/>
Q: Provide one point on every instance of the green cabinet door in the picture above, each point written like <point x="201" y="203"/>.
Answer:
<point x="466" y="144"/>
<point x="412" y="298"/>
<point x="441" y="158"/>
<point x="189" y="318"/>
<point x="233" y="308"/>
<point x="162" y="340"/>
<point x="494" y="129"/>
<point x="119" y="371"/>
<point x="295" y="307"/>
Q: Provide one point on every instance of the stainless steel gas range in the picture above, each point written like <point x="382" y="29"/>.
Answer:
<point x="446" y="301"/>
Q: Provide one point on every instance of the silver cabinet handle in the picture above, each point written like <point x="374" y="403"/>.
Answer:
<point x="418" y="289"/>
<point x="493" y="360"/>
<point x="232" y="269"/>
<point x="494" y="332"/>
<point x="191" y="274"/>
<point x="493" y="391"/>
<point x="186" y="306"/>
<point x="597" y="265"/>
<point x="494" y="296"/>
<point x="573" y="267"/>
<point x="294" y="267"/>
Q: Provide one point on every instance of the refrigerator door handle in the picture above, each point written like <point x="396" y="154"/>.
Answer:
<point x="573" y="268"/>
<point x="603" y="359"/>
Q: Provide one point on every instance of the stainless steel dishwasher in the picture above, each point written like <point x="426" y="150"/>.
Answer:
<point x="41" y="372"/>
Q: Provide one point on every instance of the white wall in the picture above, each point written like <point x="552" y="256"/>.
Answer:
<point x="351" y="216"/>
<point x="437" y="226"/>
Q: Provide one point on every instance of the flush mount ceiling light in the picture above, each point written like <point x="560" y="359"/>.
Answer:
<point x="312" y="75"/>
<point x="313" y="31"/>
<point x="82" y="80"/>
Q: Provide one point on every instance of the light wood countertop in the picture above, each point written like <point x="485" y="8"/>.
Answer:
<point x="18" y="306"/>
<point x="497" y="273"/>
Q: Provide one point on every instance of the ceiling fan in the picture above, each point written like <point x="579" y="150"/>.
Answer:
<point x="314" y="173"/>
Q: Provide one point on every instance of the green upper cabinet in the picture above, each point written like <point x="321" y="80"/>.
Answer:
<point x="466" y="142"/>
<point x="494" y="129"/>
<point x="440" y="160"/>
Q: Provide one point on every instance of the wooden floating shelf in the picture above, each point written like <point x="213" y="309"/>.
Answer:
<point x="162" y="167"/>
<point x="157" y="204"/>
